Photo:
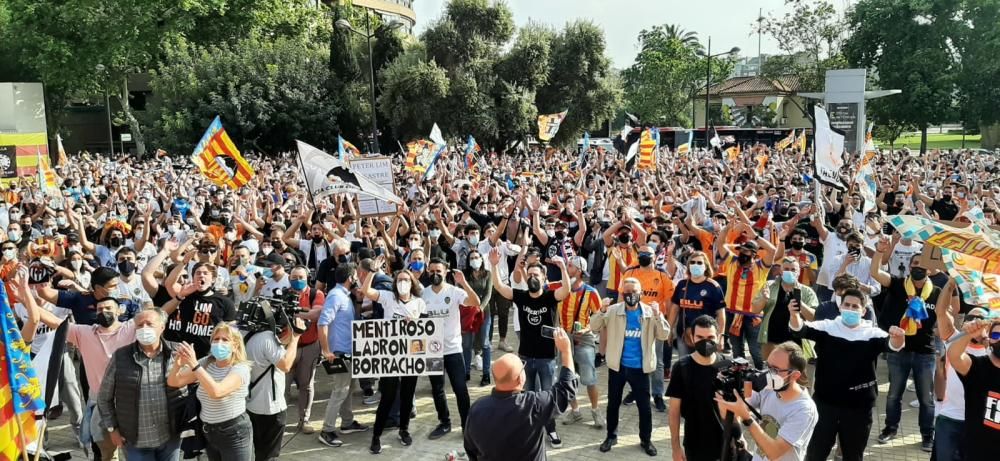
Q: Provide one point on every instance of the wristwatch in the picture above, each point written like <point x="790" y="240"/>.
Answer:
<point x="749" y="421"/>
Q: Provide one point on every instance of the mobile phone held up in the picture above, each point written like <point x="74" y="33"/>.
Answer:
<point x="548" y="332"/>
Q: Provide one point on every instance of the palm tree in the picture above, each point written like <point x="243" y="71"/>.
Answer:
<point x="688" y="38"/>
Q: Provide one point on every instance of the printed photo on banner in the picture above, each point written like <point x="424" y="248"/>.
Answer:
<point x="397" y="347"/>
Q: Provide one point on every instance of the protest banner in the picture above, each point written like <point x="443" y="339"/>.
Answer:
<point x="397" y="347"/>
<point x="379" y="170"/>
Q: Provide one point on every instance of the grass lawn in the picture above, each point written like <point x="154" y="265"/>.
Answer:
<point x="936" y="141"/>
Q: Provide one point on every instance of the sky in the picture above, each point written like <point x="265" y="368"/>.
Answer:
<point x="728" y="22"/>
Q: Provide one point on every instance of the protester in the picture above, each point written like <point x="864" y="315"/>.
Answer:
<point x="271" y="356"/>
<point x="574" y="315"/>
<point x="304" y="364"/>
<point x="633" y="329"/>
<point x="981" y="379"/>
<point x="779" y="298"/>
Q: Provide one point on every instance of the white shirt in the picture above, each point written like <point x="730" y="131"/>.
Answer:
<point x="505" y="250"/>
<point x="861" y="270"/>
<point x="133" y="291"/>
<point x="445" y="305"/>
<point x="901" y="256"/>
<point x="953" y="405"/>
<point x="833" y="246"/>
<point x="264" y="350"/>
<point x="271" y="285"/>
<point x="394" y="309"/>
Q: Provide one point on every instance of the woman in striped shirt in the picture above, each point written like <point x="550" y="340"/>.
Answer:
<point x="223" y="384"/>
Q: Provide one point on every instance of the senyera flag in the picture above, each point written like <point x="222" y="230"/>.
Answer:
<point x="20" y="389"/>
<point x="548" y="125"/>
<point x="649" y="141"/>
<point x="219" y="160"/>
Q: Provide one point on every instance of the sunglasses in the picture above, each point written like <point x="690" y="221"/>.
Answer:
<point x="208" y="250"/>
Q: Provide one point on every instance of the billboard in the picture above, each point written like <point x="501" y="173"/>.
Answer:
<point x="23" y="133"/>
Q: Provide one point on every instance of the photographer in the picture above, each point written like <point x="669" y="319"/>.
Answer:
<point x="785" y="405"/>
<point x="691" y="399"/>
<point x="846" y="386"/>
<point x="270" y="356"/>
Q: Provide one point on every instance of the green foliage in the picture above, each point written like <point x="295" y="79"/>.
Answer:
<point x="579" y="81"/>
<point x="667" y="73"/>
<point x="979" y="69"/>
<point x="908" y="45"/>
<point x="267" y="92"/>
<point x="812" y="36"/>
<point x="412" y="93"/>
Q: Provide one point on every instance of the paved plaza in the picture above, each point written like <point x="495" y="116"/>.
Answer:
<point x="580" y="441"/>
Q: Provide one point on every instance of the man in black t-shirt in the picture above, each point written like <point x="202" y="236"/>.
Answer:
<point x="693" y="397"/>
<point x="981" y="378"/>
<point x="536" y="310"/>
<point x="945" y="207"/>
<point x="198" y="311"/>
<point x="903" y="298"/>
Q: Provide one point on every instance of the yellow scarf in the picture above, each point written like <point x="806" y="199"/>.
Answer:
<point x="911" y="291"/>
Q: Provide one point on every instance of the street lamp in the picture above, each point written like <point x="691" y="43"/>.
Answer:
<point x="107" y="105"/>
<point x="708" y="81"/>
<point x="345" y="25"/>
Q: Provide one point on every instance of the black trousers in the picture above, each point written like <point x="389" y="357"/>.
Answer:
<point x="454" y="367"/>
<point x="393" y="390"/>
<point x="267" y="433"/>
<point x="850" y="425"/>
<point x="639" y="382"/>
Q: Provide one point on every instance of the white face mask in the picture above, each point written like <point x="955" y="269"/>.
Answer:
<point x="146" y="335"/>
<point x="415" y="245"/>
<point x="77" y="264"/>
<point x="434" y="234"/>
<point x="403" y="286"/>
<point x="476" y="263"/>
<point x="10" y="254"/>
<point x="775" y="381"/>
<point x="352" y="228"/>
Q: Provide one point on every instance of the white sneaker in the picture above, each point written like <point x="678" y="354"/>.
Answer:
<point x="504" y="347"/>
<point x="477" y="362"/>
<point x="915" y="403"/>
<point x="572" y="417"/>
<point x="599" y="420"/>
<point x="911" y="387"/>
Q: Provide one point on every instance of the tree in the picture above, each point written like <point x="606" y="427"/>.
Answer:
<point x="662" y="83"/>
<point x="977" y="40"/>
<point x="579" y="81"/>
<point x="412" y="92"/>
<point x="687" y="38"/>
<point x="908" y="46"/>
<point x="811" y="35"/>
<point x="267" y="92"/>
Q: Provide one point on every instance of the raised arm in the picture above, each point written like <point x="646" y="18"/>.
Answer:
<point x="880" y="276"/>
<point x="499" y="285"/>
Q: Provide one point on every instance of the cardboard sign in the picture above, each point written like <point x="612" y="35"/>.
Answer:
<point x="399" y="347"/>
<point x="379" y="170"/>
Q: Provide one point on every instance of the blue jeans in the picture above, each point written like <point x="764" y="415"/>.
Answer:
<point x="663" y="352"/>
<point x="748" y="336"/>
<point x="468" y="346"/>
<point x="639" y="382"/>
<point x="900" y="366"/>
<point x="169" y="451"/>
<point x="949" y="438"/>
<point x="539" y="375"/>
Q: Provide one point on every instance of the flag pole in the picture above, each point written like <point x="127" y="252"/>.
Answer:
<point x="20" y="434"/>
<point x="41" y="440"/>
<point x="302" y="167"/>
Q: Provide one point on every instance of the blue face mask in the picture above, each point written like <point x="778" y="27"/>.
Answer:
<point x="788" y="277"/>
<point x="221" y="351"/>
<point x="267" y="273"/>
<point x="298" y="285"/>
<point x="697" y="270"/>
<point x="417" y="266"/>
<point x="850" y="318"/>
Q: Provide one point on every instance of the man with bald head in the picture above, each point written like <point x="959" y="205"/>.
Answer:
<point x="510" y="423"/>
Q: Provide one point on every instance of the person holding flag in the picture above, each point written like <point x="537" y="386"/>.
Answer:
<point x="20" y="392"/>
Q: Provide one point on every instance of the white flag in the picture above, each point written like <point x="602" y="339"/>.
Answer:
<point x="632" y="150"/>
<point x="436" y="136"/>
<point x="625" y="131"/>
<point x="829" y="147"/>
<point x="326" y="175"/>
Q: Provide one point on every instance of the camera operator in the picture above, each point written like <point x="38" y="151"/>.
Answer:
<point x="846" y="386"/>
<point x="691" y="399"/>
<point x="787" y="409"/>
<point x="271" y="356"/>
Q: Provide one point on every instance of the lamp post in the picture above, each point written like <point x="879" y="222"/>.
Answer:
<point x="107" y="106"/>
<point x="345" y="25"/>
<point x="708" y="77"/>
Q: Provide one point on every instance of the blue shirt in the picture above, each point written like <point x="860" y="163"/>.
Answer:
<point x="337" y="315"/>
<point x="632" y="349"/>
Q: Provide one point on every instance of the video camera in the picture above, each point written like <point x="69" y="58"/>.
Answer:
<point x="730" y="381"/>
<point x="271" y="314"/>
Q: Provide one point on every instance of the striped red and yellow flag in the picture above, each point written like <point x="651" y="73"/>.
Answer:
<point x="648" y="142"/>
<point x="219" y="160"/>
<point x="419" y="155"/>
<point x="47" y="178"/>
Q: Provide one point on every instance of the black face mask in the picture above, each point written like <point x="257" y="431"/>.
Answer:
<point x="126" y="268"/>
<point x="631" y="299"/>
<point x="918" y="273"/>
<point x="843" y="230"/>
<point x="115" y="241"/>
<point x="624" y="238"/>
<point x="706" y="347"/>
<point x="105" y="319"/>
<point x="560" y="235"/>
<point x="996" y="349"/>
<point x="436" y="279"/>
<point x="534" y="285"/>
<point x="743" y="259"/>
<point x="946" y="197"/>
<point x="344" y="258"/>
<point x="318" y="239"/>
<point x="798" y="245"/>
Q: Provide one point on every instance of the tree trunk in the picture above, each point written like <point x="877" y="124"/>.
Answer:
<point x="923" y="139"/>
<point x="133" y="123"/>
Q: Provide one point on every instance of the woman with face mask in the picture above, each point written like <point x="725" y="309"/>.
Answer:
<point x="476" y="341"/>
<point x="223" y="380"/>
<point x="694" y="296"/>
<point x="848" y="348"/>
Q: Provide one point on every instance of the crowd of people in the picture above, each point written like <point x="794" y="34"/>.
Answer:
<point x="541" y="267"/>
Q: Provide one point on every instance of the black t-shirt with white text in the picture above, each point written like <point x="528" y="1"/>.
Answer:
<point x="691" y="382"/>
<point x="894" y="308"/>
<point x="195" y="320"/>
<point x="533" y="313"/>
<point x="982" y="409"/>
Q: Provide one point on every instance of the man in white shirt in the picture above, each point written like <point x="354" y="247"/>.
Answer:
<point x="270" y="358"/>
<point x="833" y="246"/>
<point x="443" y="300"/>
<point x="856" y="263"/>
<point x="275" y="277"/>
<point x="498" y="304"/>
